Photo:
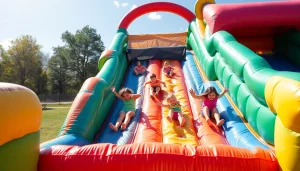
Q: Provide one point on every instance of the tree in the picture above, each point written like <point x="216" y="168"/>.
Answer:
<point x="59" y="72"/>
<point x="83" y="51"/>
<point x="22" y="61"/>
<point x="2" y="53"/>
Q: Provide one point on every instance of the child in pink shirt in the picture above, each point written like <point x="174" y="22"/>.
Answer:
<point x="139" y="68"/>
<point x="210" y="98"/>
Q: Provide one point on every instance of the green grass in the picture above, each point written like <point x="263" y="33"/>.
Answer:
<point x="58" y="105"/>
<point x="52" y="120"/>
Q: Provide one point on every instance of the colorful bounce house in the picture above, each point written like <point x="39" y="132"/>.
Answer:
<point x="251" y="48"/>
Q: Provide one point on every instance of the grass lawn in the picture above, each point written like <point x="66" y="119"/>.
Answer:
<point x="58" y="105"/>
<point x="52" y="120"/>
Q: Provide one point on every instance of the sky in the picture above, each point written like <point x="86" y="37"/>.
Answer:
<point x="46" y="20"/>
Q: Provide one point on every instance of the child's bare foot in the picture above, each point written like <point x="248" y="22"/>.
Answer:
<point x="169" y="119"/>
<point x="208" y="121"/>
<point x="220" y="122"/>
<point x="183" y="121"/>
<point x="123" y="126"/>
<point x="113" y="127"/>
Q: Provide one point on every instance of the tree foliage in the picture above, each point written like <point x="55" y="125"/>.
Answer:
<point x="65" y="71"/>
<point x="83" y="51"/>
<point x="22" y="62"/>
<point x="59" y="72"/>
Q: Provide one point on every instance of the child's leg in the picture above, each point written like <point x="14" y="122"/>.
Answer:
<point x="217" y="117"/>
<point x="128" y="116"/>
<point x="143" y="71"/>
<point x="136" y="72"/>
<point x="205" y="111"/>
<point x="170" y="115"/>
<point x="157" y="89"/>
<point x="152" y="91"/>
<point x="119" y="121"/>
<point x="172" y="71"/>
<point x="181" y="119"/>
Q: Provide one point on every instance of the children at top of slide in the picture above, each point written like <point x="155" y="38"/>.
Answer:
<point x="175" y="112"/>
<point x="128" y="110"/>
<point x="210" y="98"/>
<point x="139" y="68"/>
<point x="168" y="70"/>
<point x="155" y="84"/>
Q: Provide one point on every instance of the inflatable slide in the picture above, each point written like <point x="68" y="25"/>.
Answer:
<point x="253" y="49"/>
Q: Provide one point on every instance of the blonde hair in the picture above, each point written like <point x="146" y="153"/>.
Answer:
<point x="170" y="96"/>
<point x="166" y="63"/>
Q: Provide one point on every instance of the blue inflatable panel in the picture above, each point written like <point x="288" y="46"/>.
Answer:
<point x="68" y="139"/>
<point x="106" y="135"/>
<point x="236" y="132"/>
<point x="280" y="63"/>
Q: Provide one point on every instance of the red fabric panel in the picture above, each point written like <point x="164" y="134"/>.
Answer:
<point x="79" y="102"/>
<point x="149" y="128"/>
<point x="261" y="31"/>
<point x="257" y="43"/>
<point x="154" y="7"/>
<point x="155" y="156"/>
<point x="244" y="15"/>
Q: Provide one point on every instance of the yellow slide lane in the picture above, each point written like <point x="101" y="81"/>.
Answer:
<point x="172" y="132"/>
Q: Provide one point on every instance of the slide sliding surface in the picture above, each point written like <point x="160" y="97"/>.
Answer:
<point x="235" y="128"/>
<point x="172" y="132"/>
<point x="149" y="127"/>
<point x="106" y="134"/>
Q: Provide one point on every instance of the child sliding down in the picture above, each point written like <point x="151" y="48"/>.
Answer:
<point x="175" y="112"/>
<point x="139" y="68"/>
<point x="128" y="110"/>
<point x="168" y="70"/>
<point x="155" y="85"/>
<point x="210" y="98"/>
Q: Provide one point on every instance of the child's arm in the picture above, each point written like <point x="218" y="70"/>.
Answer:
<point x="223" y="92"/>
<point x="146" y="83"/>
<point x="113" y="89"/>
<point x="135" y="96"/>
<point x="193" y="94"/>
<point x="161" y="104"/>
<point x="162" y="82"/>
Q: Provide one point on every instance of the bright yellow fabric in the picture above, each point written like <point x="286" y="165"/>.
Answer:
<point x="20" y="112"/>
<point x="283" y="97"/>
<point x="287" y="147"/>
<point x="172" y="133"/>
<point x="199" y="14"/>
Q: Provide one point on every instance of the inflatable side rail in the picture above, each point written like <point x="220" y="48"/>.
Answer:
<point x="20" y="121"/>
<point x="156" y="156"/>
<point x="283" y="97"/>
<point x="93" y="101"/>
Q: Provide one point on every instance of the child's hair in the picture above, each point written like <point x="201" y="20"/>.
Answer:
<point x="138" y="62"/>
<point x="209" y="90"/>
<point x="166" y="63"/>
<point x="152" y="76"/>
<point x="125" y="90"/>
<point x="170" y="96"/>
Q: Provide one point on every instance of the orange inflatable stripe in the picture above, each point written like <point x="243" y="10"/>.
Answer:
<point x="208" y="135"/>
<point x="155" y="156"/>
<point x="172" y="132"/>
<point x="79" y="102"/>
<point x="149" y="128"/>
<point x="157" y="40"/>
